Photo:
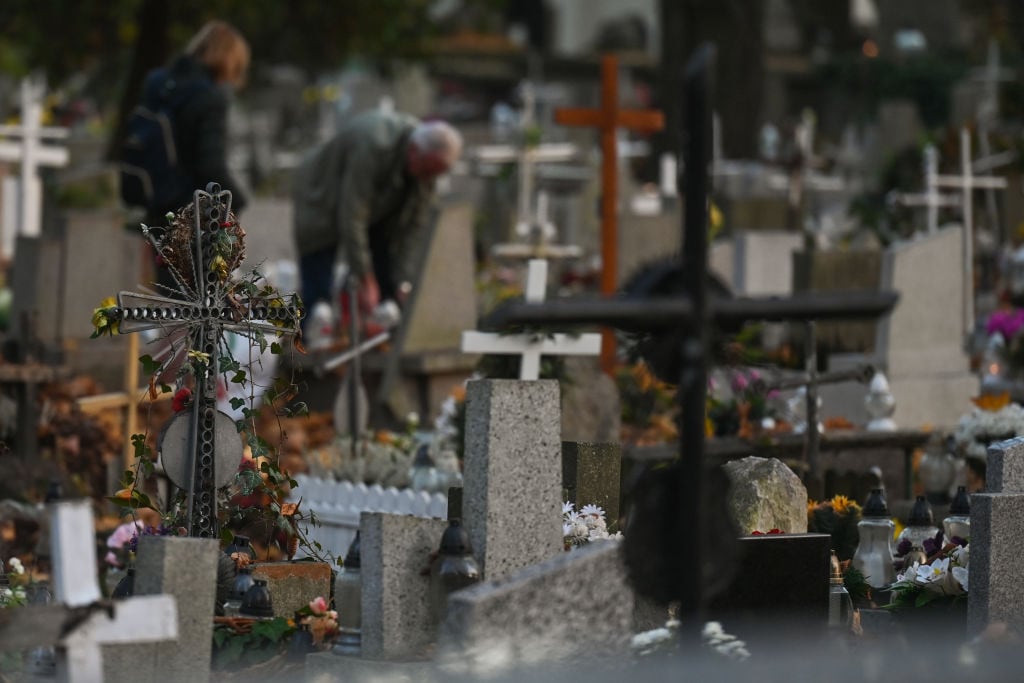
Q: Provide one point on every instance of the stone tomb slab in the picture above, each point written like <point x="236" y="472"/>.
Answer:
<point x="780" y="589"/>
<point x="578" y="603"/>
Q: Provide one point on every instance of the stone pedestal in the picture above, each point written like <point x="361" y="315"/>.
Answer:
<point x="395" y="550"/>
<point x="997" y="541"/>
<point x="185" y="568"/>
<point x="512" y="495"/>
<point x="294" y="584"/>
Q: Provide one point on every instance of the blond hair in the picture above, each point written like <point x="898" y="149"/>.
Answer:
<point x="221" y="47"/>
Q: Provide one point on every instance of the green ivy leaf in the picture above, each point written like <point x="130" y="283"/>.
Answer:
<point x="239" y="377"/>
<point x="237" y="403"/>
<point x="149" y="366"/>
<point x="275" y="348"/>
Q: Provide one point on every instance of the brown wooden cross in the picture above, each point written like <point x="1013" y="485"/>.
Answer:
<point x="608" y="119"/>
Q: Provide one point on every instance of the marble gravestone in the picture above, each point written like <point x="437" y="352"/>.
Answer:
<point x="997" y="541"/>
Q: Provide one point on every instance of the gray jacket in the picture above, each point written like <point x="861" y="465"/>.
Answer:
<point x="357" y="183"/>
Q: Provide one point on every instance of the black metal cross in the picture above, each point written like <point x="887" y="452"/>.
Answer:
<point x="694" y="316"/>
<point x="211" y="303"/>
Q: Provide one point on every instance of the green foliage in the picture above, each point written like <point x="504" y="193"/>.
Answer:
<point x="267" y="639"/>
<point x="856" y="585"/>
<point x="838" y="518"/>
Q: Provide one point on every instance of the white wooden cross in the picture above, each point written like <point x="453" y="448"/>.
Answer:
<point x="967" y="182"/>
<point x="531" y="206"/>
<point x="23" y="204"/>
<point x="931" y="198"/>
<point x="530" y="347"/>
<point x="142" y="619"/>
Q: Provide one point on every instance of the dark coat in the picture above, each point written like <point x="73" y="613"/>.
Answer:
<point x="200" y="131"/>
<point x="353" y="195"/>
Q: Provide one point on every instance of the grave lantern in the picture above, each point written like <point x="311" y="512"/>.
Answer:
<point x="873" y="557"/>
<point x="840" y="607"/>
<point x="920" y="526"/>
<point x="348" y="597"/>
<point x="958" y="523"/>
<point x="240" y="544"/>
<point x="239" y="587"/>
<point x="454" y="567"/>
<point x="257" y="601"/>
<point x="423" y="475"/>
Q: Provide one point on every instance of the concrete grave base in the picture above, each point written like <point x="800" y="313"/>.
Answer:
<point x="294" y="584"/>
<point x="326" y="667"/>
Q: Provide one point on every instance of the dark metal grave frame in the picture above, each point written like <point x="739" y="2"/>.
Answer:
<point x="692" y="314"/>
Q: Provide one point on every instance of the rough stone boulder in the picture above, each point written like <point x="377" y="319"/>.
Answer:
<point x="765" y="495"/>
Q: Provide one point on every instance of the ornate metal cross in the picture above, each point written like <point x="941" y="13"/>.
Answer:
<point x="200" y="448"/>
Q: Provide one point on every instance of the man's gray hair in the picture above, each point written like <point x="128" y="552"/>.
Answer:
<point x="438" y="138"/>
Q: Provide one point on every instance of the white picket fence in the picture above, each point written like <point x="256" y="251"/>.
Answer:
<point x="337" y="505"/>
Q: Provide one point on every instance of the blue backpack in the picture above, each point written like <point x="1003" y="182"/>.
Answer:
<point x="150" y="174"/>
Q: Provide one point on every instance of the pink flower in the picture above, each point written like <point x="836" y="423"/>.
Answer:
<point x="318" y="605"/>
<point x="1006" y="323"/>
<point x="739" y="382"/>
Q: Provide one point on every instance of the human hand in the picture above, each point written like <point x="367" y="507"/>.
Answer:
<point x="369" y="294"/>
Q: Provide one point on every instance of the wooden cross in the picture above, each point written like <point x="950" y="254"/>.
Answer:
<point x="931" y="198"/>
<point x="608" y="119"/>
<point x="201" y="449"/>
<point x="81" y="623"/>
<point x="531" y="346"/>
<point x="31" y="154"/>
<point x="693" y="314"/>
<point x="967" y="182"/>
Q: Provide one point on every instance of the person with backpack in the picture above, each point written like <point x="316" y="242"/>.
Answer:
<point x="176" y="139"/>
<point x="362" y="201"/>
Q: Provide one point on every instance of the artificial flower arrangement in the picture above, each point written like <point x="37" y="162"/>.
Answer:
<point x="586" y="525"/>
<point x="666" y="640"/>
<point x="993" y="418"/>
<point x="944" y="576"/>
<point x="649" y="406"/>
<point x="322" y="622"/>
<point x="1005" y="329"/>
<point x="239" y="643"/>
<point x="13" y="594"/>
<point x="740" y="404"/>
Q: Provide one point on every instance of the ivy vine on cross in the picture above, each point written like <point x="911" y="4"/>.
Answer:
<point x="202" y="246"/>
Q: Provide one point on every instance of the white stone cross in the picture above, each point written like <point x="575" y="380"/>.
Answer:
<point x="143" y="619"/>
<point x="531" y="347"/>
<point x="25" y="202"/>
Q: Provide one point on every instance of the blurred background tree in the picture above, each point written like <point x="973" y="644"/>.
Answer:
<point x="110" y="44"/>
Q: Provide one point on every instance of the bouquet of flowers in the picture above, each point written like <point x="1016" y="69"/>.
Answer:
<point x="323" y="622"/>
<point x="992" y="419"/>
<point x="580" y="528"/>
<point x="742" y="406"/>
<point x="943" y="576"/>
<point x="12" y="589"/>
